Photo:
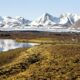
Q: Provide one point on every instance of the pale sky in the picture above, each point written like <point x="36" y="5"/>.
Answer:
<point x="31" y="9"/>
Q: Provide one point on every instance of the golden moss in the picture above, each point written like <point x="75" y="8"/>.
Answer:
<point x="45" y="62"/>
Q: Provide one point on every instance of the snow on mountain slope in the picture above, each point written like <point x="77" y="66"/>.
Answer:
<point x="65" y="20"/>
<point x="1" y="21"/>
<point x="48" y="20"/>
<point x="44" y="20"/>
<point x="1" y="18"/>
<point x="23" y="20"/>
<point x="8" y="22"/>
<point x="76" y="25"/>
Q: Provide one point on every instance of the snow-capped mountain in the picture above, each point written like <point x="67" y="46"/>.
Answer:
<point x="68" y="19"/>
<point x="46" y="22"/>
<point x="8" y="21"/>
<point x="76" y="25"/>
<point x="23" y="20"/>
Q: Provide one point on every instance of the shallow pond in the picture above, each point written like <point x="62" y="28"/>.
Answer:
<point x="7" y="44"/>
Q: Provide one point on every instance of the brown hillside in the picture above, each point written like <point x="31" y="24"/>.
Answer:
<point x="44" y="62"/>
<point x="76" y="25"/>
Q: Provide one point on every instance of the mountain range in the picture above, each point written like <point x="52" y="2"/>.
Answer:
<point x="46" y="22"/>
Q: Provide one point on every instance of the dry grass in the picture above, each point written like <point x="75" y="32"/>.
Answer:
<point x="44" y="62"/>
<point x="9" y="56"/>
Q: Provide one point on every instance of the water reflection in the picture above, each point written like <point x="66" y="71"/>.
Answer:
<point x="7" y="44"/>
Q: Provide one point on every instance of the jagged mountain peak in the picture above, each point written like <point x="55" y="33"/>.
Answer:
<point x="45" y="19"/>
<point x="68" y="14"/>
<point x="46" y="15"/>
<point x="8" y="21"/>
<point x="7" y="17"/>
